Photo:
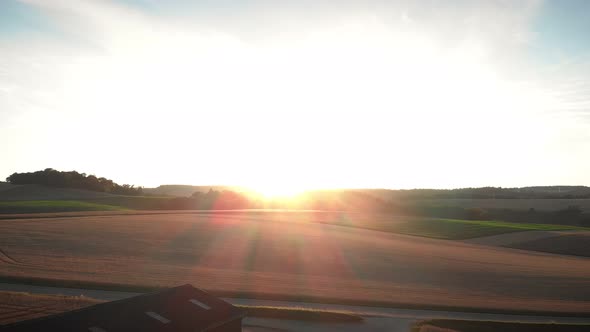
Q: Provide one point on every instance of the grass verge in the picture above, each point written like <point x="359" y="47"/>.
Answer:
<point x="450" y="325"/>
<point x="303" y="314"/>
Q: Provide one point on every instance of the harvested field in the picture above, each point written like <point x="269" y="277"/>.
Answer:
<point x="438" y="228"/>
<point x="16" y="307"/>
<point x="566" y="244"/>
<point x="285" y="255"/>
<point x="452" y="229"/>
<point x="576" y="243"/>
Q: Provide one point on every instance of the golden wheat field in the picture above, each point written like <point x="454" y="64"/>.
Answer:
<point x="16" y="306"/>
<point x="287" y="256"/>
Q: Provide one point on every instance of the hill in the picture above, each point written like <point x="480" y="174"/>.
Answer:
<point x="182" y="190"/>
<point x="535" y="192"/>
<point x="5" y="185"/>
<point x="26" y="192"/>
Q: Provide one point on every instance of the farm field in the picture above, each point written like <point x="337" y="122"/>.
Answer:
<point x="284" y="255"/>
<point x="114" y="203"/>
<point x="16" y="306"/>
<point x="539" y="204"/>
<point x="30" y="192"/>
<point x="567" y="244"/>
<point x="438" y="228"/>
<point x="451" y="229"/>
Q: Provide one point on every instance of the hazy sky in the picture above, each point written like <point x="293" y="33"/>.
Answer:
<point x="393" y="94"/>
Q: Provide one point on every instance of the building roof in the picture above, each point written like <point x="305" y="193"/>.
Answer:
<point x="183" y="308"/>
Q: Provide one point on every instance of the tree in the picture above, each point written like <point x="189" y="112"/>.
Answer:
<point x="53" y="178"/>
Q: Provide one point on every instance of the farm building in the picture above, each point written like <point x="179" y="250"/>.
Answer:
<point x="178" y="309"/>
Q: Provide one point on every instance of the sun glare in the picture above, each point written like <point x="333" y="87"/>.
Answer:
<point x="279" y="190"/>
<point x="322" y="105"/>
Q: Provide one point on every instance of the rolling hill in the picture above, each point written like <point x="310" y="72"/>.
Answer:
<point x="181" y="190"/>
<point x="29" y="192"/>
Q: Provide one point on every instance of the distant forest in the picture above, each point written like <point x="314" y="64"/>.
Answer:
<point x="543" y="192"/>
<point x="53" y="178"/>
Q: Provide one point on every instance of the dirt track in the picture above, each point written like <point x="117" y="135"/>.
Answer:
<point x="265" y="254"/>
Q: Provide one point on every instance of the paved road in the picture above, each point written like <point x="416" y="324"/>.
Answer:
<point x="376" y="318"/>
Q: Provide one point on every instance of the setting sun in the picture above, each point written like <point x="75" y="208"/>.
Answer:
<point x="279" y="190"/>
<point x="256" y="165"/>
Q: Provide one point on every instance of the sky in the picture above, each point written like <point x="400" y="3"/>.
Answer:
<point x="289" y="95"/>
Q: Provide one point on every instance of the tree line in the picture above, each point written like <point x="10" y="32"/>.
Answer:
<point x="72" y="179"/>
<point x="539" y="192"/>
